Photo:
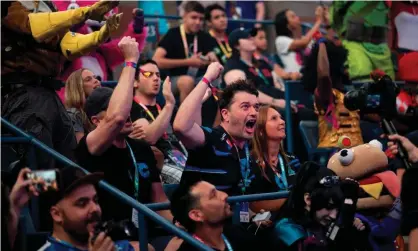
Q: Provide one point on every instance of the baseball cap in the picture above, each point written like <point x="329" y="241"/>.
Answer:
<point x="238" y="34"/>
<point x="98" y="101"/>
<point x="70" y="178"/>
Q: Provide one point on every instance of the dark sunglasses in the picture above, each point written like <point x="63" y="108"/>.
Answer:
<point x="148" y="74"/>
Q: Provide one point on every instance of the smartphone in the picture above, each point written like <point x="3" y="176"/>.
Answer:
<point x="49" y="178"/>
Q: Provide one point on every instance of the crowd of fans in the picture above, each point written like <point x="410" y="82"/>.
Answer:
<point x="206" y="113"/>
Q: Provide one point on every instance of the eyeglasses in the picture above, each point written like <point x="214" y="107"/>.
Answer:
<point x="148" y="74"/>
<point x="329" y="181"/>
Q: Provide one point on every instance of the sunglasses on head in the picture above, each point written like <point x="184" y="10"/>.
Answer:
<point x="148" y="74"/>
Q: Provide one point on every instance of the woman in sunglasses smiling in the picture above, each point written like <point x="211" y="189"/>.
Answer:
<point x="319" y="213"/>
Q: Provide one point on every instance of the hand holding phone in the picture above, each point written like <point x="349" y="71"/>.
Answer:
<point x="43" y="180"/>
<point x="22" y="191"/>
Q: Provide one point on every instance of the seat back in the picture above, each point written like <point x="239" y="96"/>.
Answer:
<point x="309" y="131"/>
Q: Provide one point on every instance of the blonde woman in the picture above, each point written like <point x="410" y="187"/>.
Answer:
<point x="78" y="87"/>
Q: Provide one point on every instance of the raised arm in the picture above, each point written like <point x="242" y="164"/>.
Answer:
<point x="189" y="132"/>
<point x="154" y="130"/>
<point x="323" y="92"/>
<point x="120" y="103"/>
<point x="260" y="13"/>
<point x="305" y="40"/>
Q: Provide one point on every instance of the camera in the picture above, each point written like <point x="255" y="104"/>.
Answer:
<point x="378" y="97"/>
<point x="116" y="230"/>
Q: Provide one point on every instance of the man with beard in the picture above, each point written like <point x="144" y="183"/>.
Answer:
<point x="221" y="154"/>
<point x="75" y="212"/>
<point x="203" y="211"/>
<point x="127" y="164"/>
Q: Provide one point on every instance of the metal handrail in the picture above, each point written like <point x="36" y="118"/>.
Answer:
<point x="230" y="200"/>
<point x="142" y="209"/>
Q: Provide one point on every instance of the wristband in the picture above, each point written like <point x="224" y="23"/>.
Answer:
<point x="212" y="88"/>
<point x="131" y="64"/>
<point x="321" y="40"/>
<point x="206" y="81"/>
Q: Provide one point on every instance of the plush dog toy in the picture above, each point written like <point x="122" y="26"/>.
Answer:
<point x="377" y="205"/>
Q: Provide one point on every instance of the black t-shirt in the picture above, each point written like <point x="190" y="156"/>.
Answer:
<point x="265" y="83"/>
<point x="117" y="166"/>
<point x="237" y="236"/>
<point x="274" y="183"/>
<point x="220" y="53"/>
<point x="173" y="44"/>
<point x="218" y="154"/>
<point x="166" y="143"/>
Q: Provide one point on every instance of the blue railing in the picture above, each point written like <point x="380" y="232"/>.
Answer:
<point x="143" y="210"/>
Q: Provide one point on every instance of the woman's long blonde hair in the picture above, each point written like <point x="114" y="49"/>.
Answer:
<point x="75" y="97"/>
<point x="260" y="142"/>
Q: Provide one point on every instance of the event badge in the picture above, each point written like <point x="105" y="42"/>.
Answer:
<point x="177" y="157"/>
<point x="244" y="212"/>
<point x="135" y="217"/>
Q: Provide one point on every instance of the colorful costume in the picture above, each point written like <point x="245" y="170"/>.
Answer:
<point x="331" y="123"/>
<point x="35" y="42"/>
<point x="107" y="55"/>
<point x="362" y="26"/>
<point x="367" y="163"/>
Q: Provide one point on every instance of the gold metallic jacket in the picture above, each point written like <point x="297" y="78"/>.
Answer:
<point x="348" y="124"/>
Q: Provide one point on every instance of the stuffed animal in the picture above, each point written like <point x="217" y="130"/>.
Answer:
<point x="107" y="56"/>
<point x="379" y="188"/>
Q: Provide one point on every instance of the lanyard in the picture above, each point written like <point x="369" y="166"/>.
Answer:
<point x="259" y="73"/>
<point x="262" y="57"/>
<point x="283" y="176"/>
<point x="136" y="180"/>
<point x="185" y="44"/>
<point x="146" y="108"/>
<point x="226" y="51"/>
<point x="165" y="135"/>
<point x="245" y="168"/>
<point x="227" y="244"/>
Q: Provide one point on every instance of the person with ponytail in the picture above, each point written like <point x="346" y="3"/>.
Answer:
<point x="276" y="169"/>
<point x="319" y="213"/>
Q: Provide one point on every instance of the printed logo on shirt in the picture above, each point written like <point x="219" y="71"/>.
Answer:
<point x="143" y="170"/>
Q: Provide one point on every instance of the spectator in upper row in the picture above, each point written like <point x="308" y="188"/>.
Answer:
<point x="255" y="10"/>
<point x="242" y="65"/>
<point x="152" y="123"/>
<point x="217" y="22"/>
<point x="279" y="74"/>
<point x="186" y="50"/>
<point x="80" y="84"/>
<point x="291" y="46"/>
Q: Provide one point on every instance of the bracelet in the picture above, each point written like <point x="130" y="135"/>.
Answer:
<point x="321" y="40"/>
<point x="131" y="64"/>
<point x="206" y="81"/>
